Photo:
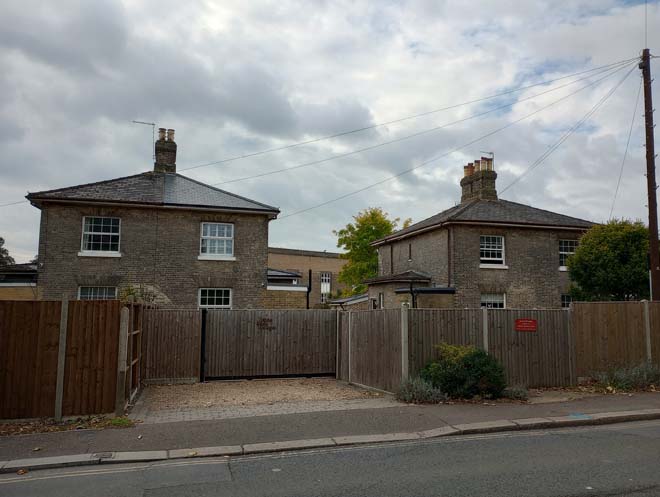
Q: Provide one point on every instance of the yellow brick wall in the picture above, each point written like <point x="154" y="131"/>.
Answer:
<point x="19" y="293"/>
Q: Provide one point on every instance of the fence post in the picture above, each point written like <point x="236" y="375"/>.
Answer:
<point x="350" y="325"/>
<point x="484" y="327"/>
<point x="61" y="360"/>
<point x="647" y="329"/>
<point x="404" y="342"/>
<point x="120" y="397"/>
<point x="202" y="348"/>
<point x="337" y="365"/>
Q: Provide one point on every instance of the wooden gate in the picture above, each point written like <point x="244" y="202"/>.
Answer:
<point x="259" y="343"/>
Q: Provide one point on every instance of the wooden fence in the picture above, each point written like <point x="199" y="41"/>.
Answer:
<point x="255" y="343"/>
<point x="369" y="348"/>
<point x="612" y="334"/>
<point x="564" y="344"/>
<point x="65" y="358"/>
<point x="171" y="346"/>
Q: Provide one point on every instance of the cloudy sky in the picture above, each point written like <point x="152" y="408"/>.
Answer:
<point x="235" y="78"/>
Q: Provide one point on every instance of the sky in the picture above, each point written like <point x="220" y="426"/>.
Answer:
<point x="235" y="78"/>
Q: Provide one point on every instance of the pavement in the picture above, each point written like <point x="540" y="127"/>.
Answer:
<point x="240" y="436"/>
<point x="613" y="460"/>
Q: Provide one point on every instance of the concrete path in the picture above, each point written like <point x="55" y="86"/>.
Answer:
<point x="341" y="427"/>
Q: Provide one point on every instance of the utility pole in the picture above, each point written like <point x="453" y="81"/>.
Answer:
<point x="654" y="258"/>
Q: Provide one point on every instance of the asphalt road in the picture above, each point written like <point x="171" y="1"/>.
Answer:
<point x="614" y="460"/>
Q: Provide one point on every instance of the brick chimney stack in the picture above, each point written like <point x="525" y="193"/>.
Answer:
<point x="165" y="152"/>
<point x="479" y="180"/>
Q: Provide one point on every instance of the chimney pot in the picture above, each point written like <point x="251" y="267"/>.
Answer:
<point x="165" y="152"/>
<point x="479" y="182"/>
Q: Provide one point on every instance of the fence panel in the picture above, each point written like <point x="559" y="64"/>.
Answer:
<point x="171" y="345"/>
<point x="90" y="373"/>
<point x="253" y="343"/>
<point x="541" y="358"/>
<point x="429" y="327"/>
<point x="375" y="348"/>
<point x="29" y="340"/>
<point x="609" y="334"/>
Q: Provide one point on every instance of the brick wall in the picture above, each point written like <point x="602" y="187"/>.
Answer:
<point x="159" y="253"/>
<point x="532" y="279"/>
<point x="302" y="261"/>
<point x="19" y="293"/>
<point x="426" y="253"/>
<point x="284" y="299"/>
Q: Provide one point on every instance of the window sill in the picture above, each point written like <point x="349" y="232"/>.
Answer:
<point x="98" y="253"/>
<point x="493" y="266"/>
<point x="206" y="257"/>
<point x="563" y="268"/>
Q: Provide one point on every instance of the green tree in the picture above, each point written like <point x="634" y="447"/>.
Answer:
<point x="369" y="225"/>
<point x="611" y="262"/>
<point x="5" y="258"/>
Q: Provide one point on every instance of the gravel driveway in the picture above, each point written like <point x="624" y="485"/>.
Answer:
<point x="243" y="398"/>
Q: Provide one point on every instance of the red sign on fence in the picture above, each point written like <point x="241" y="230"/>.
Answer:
<point x="526" y="324"/>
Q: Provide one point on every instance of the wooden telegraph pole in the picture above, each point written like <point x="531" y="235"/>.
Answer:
<point x="654" y="258"/>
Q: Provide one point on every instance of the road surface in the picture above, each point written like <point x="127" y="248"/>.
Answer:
<point x="612" y="460"/>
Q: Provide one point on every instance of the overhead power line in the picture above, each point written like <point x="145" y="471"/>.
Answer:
<point x="625" y="153"/>
<point x="445" y="154"/>
<point x="402" y="119"/>
<point x="568" y="133"/>
<point x="610" y="72"/>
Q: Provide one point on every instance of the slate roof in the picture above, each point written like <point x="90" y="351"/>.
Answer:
<point x="406" y="276"/>
<point x="303" y="252"/>
<point x="492" y="211"/>
<point x="154" y="188"/>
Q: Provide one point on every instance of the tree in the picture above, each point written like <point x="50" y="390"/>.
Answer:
<point x="369" y="225"/>
<point x="5" y="258"/>
<point x="611" y="262"/>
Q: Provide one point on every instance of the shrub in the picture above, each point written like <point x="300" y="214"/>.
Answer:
<point x="641" y="377"/>
<point x="419" y="391"/>
<point x="464" y="372"/>
<point x="515" y="393"/>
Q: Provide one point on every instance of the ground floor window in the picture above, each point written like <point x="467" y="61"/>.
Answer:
<point x="215" y="298"/>
<point x="493" y="300"/>
<point x="326" y="281"/>
<point x="97" y="293"/>
<point x="566" y="301"/>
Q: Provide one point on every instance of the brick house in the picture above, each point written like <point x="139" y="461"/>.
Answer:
<point x="174" y="240"/>
<point x="484" y="251"/>
<point x="324" y="267"/>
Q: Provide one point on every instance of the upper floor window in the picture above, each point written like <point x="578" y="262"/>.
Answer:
<point x="491" y="250"/>
<point x="493" y="300"/>
<point x="326" y="281"/>
<point x="217" y="241"/>
<point x="566" y="249"/>
<point x="100" y="235"/>
<point x="97" y="293"/>
<point x="215" y="298"/>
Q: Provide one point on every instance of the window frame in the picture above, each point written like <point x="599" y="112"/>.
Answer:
<point x="481" y="301"/>
<point x="97" y="287"/>
<point x="493" y="265"/>
<point x="567" y="254"/>
<point x="99" y="253"/>
<point x="202" y="256"/>
<point x="228" y="307"/>
<point x="325" y="295"/>
<point x="569" y="298"/>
